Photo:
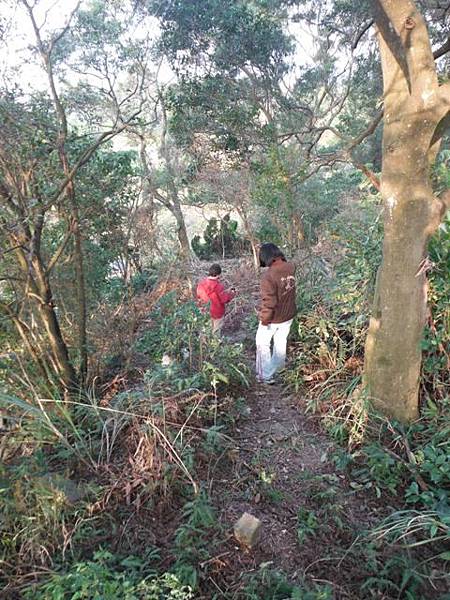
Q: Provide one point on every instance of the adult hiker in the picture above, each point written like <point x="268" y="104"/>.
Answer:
<point x="276" y="312"/>
<point x="210" y="289"/>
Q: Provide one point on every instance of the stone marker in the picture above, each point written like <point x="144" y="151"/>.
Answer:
<point x="71" y="491"/>
<point x="247" y="530"/>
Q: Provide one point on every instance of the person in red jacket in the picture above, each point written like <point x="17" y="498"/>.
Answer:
<point x="211" y="290"/>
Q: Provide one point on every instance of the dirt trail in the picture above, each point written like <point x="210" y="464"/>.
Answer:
<point x="281" y="470"/>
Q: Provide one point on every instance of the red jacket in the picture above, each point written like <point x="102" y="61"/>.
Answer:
<point x="211" y="290"/>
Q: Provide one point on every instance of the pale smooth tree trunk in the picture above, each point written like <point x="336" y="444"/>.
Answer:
<point x="414" y="106"/>
<point x="147" y="196"/>
<point x="182" y="234"/>
<point x="254" y="243"/>
<point x="174" y="205"/>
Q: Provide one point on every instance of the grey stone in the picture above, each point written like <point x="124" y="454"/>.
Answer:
<point x="71" y="491"/>
<point x="247" y="530"/>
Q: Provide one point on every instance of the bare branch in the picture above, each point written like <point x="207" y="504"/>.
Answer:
<point x="11" y="278"/>
<point x="59" y="251"/>
<point x="370" y="129"/>
<point x="361" y="34"/>
<point x="374" y="180"/>
<point x="64" y="30"/>
<point x="442" y="50"/>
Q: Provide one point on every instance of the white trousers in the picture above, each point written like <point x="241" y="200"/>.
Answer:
<point x="268" y="361"/>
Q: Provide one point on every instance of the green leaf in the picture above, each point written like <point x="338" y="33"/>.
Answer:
<point x="8" y="400"/>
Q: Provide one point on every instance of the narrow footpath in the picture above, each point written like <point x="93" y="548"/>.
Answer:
<point x="282" y="470"/>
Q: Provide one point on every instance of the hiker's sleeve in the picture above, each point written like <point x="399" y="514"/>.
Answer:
<point x="223" y="296"/>
<point x="268" y="301"/>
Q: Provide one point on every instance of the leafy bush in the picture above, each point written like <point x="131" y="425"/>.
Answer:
<point x="108" y="576"/>
<point x="380" y="468"/>
<point x="35" y="506"/>
<point x="194" y="540"/>
<point x="436" y="342"/>
<point x="183" y="352"/>
<point x="413" y="465"/>
<point x="174" y="328"/>
<point x="267" y="584"/>
<point x="221" y="240"/>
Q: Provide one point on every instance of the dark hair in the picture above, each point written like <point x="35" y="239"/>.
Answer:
<point x="268" y="253"/>
<point x="214" y="270"/>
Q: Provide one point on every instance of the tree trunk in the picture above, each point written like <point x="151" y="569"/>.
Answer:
<point x="44" y="297"/>
<point x="81" y="296"/>
<point x="59" y="349"/>
<point x="413" y="108"/>
<point x="251" y="236"/>
<point x="38" y="290"/>
<point x="146" y="191"/>
<point x="182" y="234"/>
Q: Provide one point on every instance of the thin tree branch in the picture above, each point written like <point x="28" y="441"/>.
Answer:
<point x="370" y="129"/>
<point x="59" y="251"/>
<point x="442" y="50"/>
<point x="361" y="34"/>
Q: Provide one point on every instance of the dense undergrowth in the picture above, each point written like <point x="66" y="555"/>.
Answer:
<point x="79" y="479"/>
<point x="407" y="467"/>
<point x="107" y="496"/>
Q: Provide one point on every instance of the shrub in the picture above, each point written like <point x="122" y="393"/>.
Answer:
<point x="183" y="352"/>
<point x="112" y="577"/>
<point x="221" y="240"/>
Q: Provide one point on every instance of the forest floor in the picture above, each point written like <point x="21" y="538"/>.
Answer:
<point x="275" y="460"/>
<point x="280" y="468"/>
<point x="255" y="449"/>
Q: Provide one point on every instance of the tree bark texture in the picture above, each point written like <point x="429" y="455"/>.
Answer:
<point x="182" y="234"/>
<point x="414" y="106"/>
<point x="254" y="242"/>
<point x="39" y="293"/>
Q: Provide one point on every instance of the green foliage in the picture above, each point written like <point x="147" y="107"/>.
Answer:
<point x="174" y="325"/>
<point x="228" y="34"/>
<point x="268" y="584"/>
<point x="436" y="341"/>
<point x="105" y="207"/>
<point x="412" y="465"/>
<point x="380" y="469"/>
<point x="35" y="508"/>
<point x="195" y="358"/>
<point x="221" y="240"/>
<point x="399" y="575"/>
<point x="307" y="525"/>
<point x="217" y="106"/>
<point x="112" y="577"/>
<point x="194" y="540"/>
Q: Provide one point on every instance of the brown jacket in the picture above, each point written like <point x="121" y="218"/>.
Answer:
<point x="278" y="293"/>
